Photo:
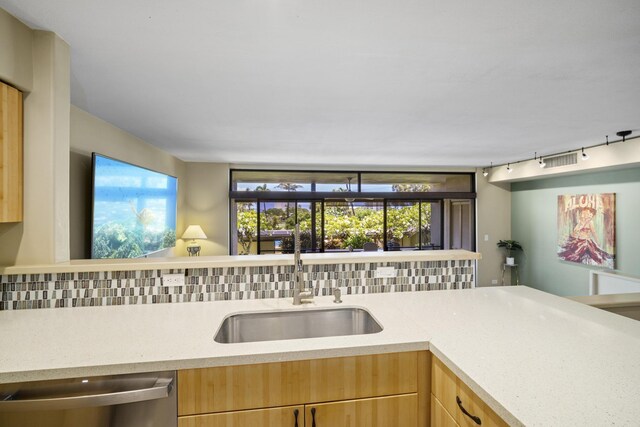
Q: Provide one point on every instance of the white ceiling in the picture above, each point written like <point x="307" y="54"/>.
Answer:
<point x="395" y="82"/>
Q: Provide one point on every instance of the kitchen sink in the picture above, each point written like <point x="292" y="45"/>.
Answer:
<point x="288" y="325"/>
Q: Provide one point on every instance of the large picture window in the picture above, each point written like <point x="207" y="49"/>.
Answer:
<point x="350" y="211"/>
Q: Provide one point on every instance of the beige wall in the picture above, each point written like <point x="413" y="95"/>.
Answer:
<point x="46" y="166"/>
<point x="38" y="63"/>
<point x="16" y="60"/>
<point x="493" y="219"/>
<point x="207" y="204"/>
<point x="203" y="188"/>
<point x="91" y="134"/>
<point x="16" y="68"/>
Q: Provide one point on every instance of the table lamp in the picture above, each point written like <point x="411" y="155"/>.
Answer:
<point x="193" y="232"/>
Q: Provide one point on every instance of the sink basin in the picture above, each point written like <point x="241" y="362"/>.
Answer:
<point x="288" y="325"/>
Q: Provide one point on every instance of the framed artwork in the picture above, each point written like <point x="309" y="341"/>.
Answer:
<point x="586" y="229"/>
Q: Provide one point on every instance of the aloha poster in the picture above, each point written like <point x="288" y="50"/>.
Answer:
<point x="586" y="229"/>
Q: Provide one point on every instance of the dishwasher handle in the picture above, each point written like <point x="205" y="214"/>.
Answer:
<point x="161" y="389"/>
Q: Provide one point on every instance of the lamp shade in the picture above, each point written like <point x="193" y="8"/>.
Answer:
<point x="194" y="232"/>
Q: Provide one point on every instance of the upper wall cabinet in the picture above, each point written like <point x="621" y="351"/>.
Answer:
<point x="11" y="183"/>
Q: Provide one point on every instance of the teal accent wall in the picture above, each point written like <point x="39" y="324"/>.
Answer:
<point x="533" y="223"/>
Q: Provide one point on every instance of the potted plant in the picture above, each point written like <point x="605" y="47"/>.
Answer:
<point x="510" y="246"/>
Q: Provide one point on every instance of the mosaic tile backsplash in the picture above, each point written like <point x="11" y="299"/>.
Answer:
<point x="54" y="290"/>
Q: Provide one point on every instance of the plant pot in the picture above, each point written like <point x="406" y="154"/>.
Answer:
<point x="511" y="260"/>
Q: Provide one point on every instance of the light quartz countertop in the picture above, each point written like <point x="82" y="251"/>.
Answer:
<point x="536" y="359"/>
<point x="609" y="300"/>
<point x="238" y="261"/>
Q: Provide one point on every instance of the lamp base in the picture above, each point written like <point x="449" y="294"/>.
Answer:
<point x="193" y="249"/>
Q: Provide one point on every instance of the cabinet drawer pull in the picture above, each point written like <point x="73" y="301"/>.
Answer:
<point x="295" y="414"/>
<point x="477" y="420"/>
<point x="313" y="417"/>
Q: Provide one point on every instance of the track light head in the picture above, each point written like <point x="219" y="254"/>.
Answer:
<point x="485" y="172"/>
<point x="509" y="170"/>
<point x="585" y="156"/>
<point x="541" y="163"/>
<point x="623" y="134"/>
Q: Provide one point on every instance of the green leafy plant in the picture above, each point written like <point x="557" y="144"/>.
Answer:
<point x="510" y="246"/>
<point x="247" y="226"/>
<point x="344" y="225"/>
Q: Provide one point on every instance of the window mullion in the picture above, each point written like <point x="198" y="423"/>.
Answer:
<point x="384" y="224"/>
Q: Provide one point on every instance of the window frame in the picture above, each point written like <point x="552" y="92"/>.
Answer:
<point x="321" y="197"/>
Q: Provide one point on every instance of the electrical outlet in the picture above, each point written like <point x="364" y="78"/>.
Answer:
<point x="494" y="281"/>
<point x="173" y="279"/>
<point x="385" y="272"/>
<point x="486" y="237"/>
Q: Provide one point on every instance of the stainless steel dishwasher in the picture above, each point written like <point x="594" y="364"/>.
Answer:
<point x="141" y="400"/>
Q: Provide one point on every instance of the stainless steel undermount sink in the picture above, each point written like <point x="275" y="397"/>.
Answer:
<point x="287" y="325"/>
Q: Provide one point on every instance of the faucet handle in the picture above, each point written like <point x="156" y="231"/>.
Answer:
<point x="336" y="295"/>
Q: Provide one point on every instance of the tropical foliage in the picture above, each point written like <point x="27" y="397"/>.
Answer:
<point x="247" y="226"/>
<point x="345" y="225"/>
<point x="115" y="240"/>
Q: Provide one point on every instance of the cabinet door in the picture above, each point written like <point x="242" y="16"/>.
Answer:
<point x="272" y="417"/>
<point x="466" y="408"/>
<point x="10" y="154"/>
<point x="439" y="416"/>
<point x="390" y="411"/>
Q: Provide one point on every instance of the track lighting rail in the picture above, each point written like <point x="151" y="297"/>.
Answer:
<point x="623" y="138"/>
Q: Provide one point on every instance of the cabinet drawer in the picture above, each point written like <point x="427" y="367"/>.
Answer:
<point x="439" y="416"/>
<point x="270" y="417"/>
<point x="447" y="387"/>
<point x="390" y="411"/>
<point x="233" y="388"/>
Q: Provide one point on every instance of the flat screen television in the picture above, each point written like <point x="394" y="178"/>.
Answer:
<point x="133" y="209"/>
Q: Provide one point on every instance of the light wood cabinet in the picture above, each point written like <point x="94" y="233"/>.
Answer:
<point x="270" y="417"/>
<point x="396" y="389"/>
<point x="391" y="411"/>
<point x="233" y="388"/>
<point x="455" y="398"/>
<point x="369" y="390"/>
<point x="11" y="152"/>
<point x="439" y="416"/>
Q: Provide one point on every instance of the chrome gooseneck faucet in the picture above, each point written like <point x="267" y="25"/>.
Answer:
<point x="300" y="295"/>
